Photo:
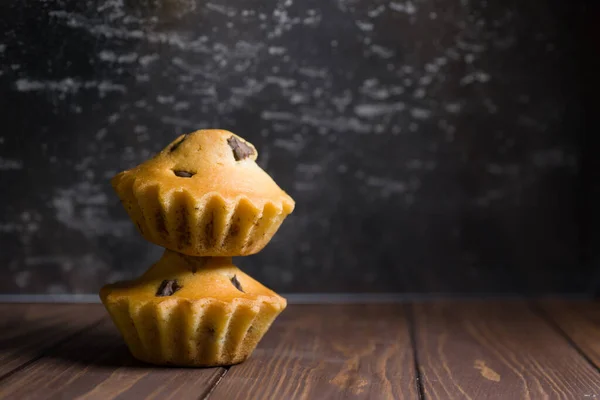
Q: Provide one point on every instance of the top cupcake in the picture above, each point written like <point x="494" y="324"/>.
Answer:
<point x="204" y="195"/>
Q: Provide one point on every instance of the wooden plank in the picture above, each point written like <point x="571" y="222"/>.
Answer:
<point x="580" y="320"/>
<point x="27" y="330"/>
<point x="479" y="350"/>
<point x="328" y="352"/>
<point x="97" y="365"/>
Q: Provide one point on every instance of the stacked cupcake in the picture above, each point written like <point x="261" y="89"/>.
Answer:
<point x="204" y="199"/>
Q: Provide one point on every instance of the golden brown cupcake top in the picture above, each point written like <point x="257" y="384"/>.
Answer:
<point x="176" y="276"/>
<point x="211" y="161"/>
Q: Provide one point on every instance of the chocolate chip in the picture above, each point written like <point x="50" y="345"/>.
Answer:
<point x="240" y="149"/>
<point x="168" y="287"/>
<point x="237" y="284"/>
<point x="184" y="174"/>
<point x="176" y="145"/>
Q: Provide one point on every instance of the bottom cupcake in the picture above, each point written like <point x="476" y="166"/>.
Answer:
<point x="192" y="311"/>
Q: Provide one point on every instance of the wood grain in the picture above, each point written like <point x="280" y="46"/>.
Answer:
<point x="97" y="365"/>
<point x="27" y="330"/>
<point x="475" y="350"/>
<point x="328" y="352"/>
<point x="470" y="350"/>
<point x="580" y="320"/>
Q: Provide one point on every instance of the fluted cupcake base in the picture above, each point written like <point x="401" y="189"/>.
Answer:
<point x="191" y="333"/>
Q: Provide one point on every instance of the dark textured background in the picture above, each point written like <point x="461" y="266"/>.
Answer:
<point x="431" y="145"/>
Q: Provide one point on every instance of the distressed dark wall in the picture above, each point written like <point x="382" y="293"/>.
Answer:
<point x="431" y="146"/>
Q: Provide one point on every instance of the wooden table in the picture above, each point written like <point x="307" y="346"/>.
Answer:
<point x="432" y="350"/>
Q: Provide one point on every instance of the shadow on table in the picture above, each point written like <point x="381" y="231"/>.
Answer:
<point x="99" y="345"/>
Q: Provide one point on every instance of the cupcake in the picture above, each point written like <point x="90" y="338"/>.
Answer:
<point x="204" y="195"/>
<point x="192" y="311"/>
